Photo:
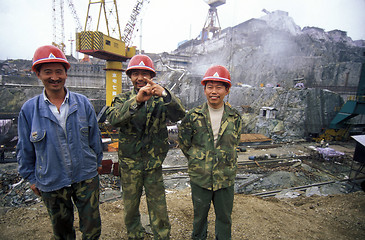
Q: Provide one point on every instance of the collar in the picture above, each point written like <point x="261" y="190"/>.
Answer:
<point x="45" y="98"/>
<point x="203" y="109"/>
<point x="215" y="109"/>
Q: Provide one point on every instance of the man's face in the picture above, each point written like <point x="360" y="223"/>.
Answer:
<point x="215" y="92"/>
<point x="138" y="78"/>
<point x="53" y="76"/>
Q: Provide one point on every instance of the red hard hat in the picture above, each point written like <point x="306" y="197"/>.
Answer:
<point x="49" y="54"/>
<point x="217" y="73"/>
<point x="142" y="62"/>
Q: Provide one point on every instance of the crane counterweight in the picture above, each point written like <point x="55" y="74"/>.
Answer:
<point x="99" y="45"/>
<point x="102" y="46"/>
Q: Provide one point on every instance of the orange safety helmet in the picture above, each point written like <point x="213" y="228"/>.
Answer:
<point x="217" y="73"/>
<point x="49" y="54"/>
<point x="142" y="62"/>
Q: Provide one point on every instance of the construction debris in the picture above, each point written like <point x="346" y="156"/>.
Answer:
<point x="296" y="170"/>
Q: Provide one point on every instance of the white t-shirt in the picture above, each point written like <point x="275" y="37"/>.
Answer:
<point x="215" y="119"/>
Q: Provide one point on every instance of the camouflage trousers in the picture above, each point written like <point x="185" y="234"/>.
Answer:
<point x="85" y="195"/>
<point x="223" y="204"/>
<point x="133" y="182"/>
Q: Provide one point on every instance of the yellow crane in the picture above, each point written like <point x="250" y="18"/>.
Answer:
<point x="104" y="46"/>
<point x="93" y="42"/>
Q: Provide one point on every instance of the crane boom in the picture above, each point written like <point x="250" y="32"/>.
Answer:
<point x="74" y="14"/>
<point x="129" y="27"/>
<point x="58" y="24"/>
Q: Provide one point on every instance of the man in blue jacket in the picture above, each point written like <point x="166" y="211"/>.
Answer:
<point x="59" y="149"/>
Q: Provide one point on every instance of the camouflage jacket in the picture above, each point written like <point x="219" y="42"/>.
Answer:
<point x="143" y="137"/>
<point x="210" y="167"/>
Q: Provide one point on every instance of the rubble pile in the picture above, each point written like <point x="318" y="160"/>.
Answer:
<point x="292" y="168"/>
<point x="14" y="191"/>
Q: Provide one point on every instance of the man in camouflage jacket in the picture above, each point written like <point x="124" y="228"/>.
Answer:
<point x="208" y="137"/>
<point x="141" y="116"/>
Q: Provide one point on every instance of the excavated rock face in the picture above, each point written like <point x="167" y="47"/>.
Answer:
<point x="298" y="112"/>
<point x="273" y="50"/>
<point x="273" y="63"/>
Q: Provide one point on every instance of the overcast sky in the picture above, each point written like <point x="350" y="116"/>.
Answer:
<point x="27" y="24"/>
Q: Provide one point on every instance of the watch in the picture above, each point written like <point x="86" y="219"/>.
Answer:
<point x="164" y="93"/>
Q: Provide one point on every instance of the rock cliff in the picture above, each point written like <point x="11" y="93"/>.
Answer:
<point x="304" y="74"/>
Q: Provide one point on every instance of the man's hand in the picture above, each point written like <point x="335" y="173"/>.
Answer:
<point x="146" y="92"/>
<point x="156" y="89"/>
<point x="35" y="190"/>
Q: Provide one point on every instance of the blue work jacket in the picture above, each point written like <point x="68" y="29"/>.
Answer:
<point x="53" y="158"/>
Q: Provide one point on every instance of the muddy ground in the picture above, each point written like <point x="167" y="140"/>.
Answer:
<point x="330" y="211"/>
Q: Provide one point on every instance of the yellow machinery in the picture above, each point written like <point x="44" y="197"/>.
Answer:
<point x="334" y="135"/>
<point x="99" y="45"/>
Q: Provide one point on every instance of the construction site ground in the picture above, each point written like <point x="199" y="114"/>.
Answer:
<point x="289" y="171"/>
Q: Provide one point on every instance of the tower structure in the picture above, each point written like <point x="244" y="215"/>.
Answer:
<point x="212" y="25"/>
<point x="58" y="23"/>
